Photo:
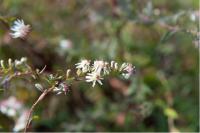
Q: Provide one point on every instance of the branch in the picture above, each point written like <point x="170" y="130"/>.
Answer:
<point x="17" y="74"/>
<point x="41" y="97"/>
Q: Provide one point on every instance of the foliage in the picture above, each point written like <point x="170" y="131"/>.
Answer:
<point x="159" y="37"/>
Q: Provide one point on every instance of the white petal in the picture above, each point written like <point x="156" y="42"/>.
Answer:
<point x="99" y="81"/>
<point x="94" y="83"/>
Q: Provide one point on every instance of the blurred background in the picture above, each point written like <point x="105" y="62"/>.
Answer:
<point x="159" y="37"/>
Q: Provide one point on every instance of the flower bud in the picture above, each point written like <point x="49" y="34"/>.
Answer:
<point x="2" y="64"/>
<point x="39" y="86"/>
<point x="68" y="72"/>
<point x="10" y="62"/>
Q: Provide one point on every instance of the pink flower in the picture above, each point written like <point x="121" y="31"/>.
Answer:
<point x="10" y="106"/>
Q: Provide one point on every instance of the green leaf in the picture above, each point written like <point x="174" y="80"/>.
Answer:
<point x="167" y="36"/>
<point x="171" y="113"/>
<point x="35" y="117"/>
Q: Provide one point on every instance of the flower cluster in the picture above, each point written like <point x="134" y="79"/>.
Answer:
<point x="59" y="87"/>
<point x="92" y="72"/>
<point x="100" y="68"/>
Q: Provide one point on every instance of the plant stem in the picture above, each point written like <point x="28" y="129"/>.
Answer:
<point x="17" y="74"/>
<point x="41" y="97"/>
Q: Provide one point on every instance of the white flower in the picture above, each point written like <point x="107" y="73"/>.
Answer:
<point x="194" y="16"/>
<point x="10" y="106"/>
<point x="15" y="109"/>
<point x="94" y="77"/>
<point x="127" y="69"/>
<point x="84" y="65"/>
<point x="63" y="87"/>
<point x="20" y="30"/>
<point x="21" y="121"/>
<point x="23" y="59"/>
<point x="100" y="66"/>
<point x="106" y="68"/>
<point x="65" y="44"/>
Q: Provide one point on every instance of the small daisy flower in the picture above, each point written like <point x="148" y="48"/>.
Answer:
<point x="128" y="70"/>
<point x="20" y="30"/>
<point x="94" y="77"/>
<point x="62" y="88"/>
<point x="84" y="65"/>
<point x="99" y="66"/>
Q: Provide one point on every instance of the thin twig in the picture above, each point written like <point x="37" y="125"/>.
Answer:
<point x="41" y="97"/>
<point x="17" y="74"/>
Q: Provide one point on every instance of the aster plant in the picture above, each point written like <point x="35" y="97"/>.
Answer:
<point x="58" y="83"/>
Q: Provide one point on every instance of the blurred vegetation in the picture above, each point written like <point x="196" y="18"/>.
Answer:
<point x="154" y="35"/>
